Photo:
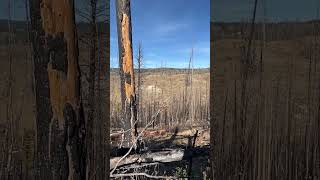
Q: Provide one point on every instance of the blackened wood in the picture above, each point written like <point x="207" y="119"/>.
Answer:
<point x="128" y="96"/>
<point x="43" y="106"/>
<point x="60" y="150"/>
<point x="90" y="140"/>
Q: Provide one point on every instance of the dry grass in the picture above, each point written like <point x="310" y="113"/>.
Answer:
<point x="271" y="143"/>
<point x="165" y="87"/>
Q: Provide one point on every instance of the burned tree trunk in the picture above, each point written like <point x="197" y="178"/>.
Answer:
<point x="91" y="99"/>
<point x="213" y="121"/>
<point x="139" y="99"/>
<point x="126" y="70"/>
<point x="59" y="119"/>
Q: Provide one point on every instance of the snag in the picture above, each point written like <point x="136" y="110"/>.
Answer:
<point x="60" y="122"/>
<point x="128" y="95"/>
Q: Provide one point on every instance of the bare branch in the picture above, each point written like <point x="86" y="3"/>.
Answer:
<point x="140" y="134"/>
<point x="143" y="174"/>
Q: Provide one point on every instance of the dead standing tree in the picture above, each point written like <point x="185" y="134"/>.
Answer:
<point x="60" y="147"/>
<point x="139" y="99"/>
<point x="188" y="97"/>
<point x="94" y="12"/>
<point x="190" y="73"/>
<point x="127" y="87"/>
<point x="7" y="164"/>
<point x="91" y="97"/>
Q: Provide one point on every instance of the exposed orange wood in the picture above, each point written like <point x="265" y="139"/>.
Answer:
<point x="58" y="24"/>
<point x="57" y="18"/>
<point x="127" y="58"/>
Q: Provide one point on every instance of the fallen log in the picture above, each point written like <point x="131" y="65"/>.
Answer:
<point x="162" y="156"/>
<point x="116" y="163"/>
<point x="142" y="174"/>
<point x="137" y="166"/>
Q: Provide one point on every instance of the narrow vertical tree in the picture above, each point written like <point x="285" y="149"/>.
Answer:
<point x="139" y="99"/>
<point x="107" y="90"/>
<point x="91" y="97"/>
<point x="213" y="122"/>
<point x="60" y="147"/>
<point x="191" y="89"/>
<point x="126" y="69"/>
<point x="8" y="164"/>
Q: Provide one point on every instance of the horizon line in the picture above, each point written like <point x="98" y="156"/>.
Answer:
<point x="166" y="68"/>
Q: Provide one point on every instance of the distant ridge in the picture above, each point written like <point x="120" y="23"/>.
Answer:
<point x="114" y="70"/>
<point x="268" y="22"/>
<point x="22" y="25"/>
<point x="20" y="29"/>
<point x="275" y="30"/>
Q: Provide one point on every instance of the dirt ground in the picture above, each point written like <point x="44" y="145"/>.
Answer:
<point x="157" y="140"/>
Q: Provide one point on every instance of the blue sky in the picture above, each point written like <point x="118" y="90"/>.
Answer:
<point x="167" y="30"/>
<point x="223" y="10"/>
<point x="18" y="9"/>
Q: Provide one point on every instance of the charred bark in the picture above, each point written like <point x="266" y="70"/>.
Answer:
<point x="43" y="106"/>
<point x="139" y="99"/>
<point x="128" y="96"/>
<point x="60" y="127"/>
<point x="91" y="99"/>
<point x="213" y="121"/>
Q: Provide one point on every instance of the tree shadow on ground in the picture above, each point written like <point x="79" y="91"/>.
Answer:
<point x="180" y="168"/>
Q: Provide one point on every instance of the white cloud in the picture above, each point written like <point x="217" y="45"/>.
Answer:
<point x="112" y="39"/>
<point x="114" y="62"/>
<point x="168" y="28"/>
<point x="205" y="50"/>
<point x="199" y="48"/>
<point x="150" y="54"/>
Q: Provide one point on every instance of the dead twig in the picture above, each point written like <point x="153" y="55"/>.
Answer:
<point x="139" y="166"/>
<point x="142" y="174"/>
<point x="140" y="134"/>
